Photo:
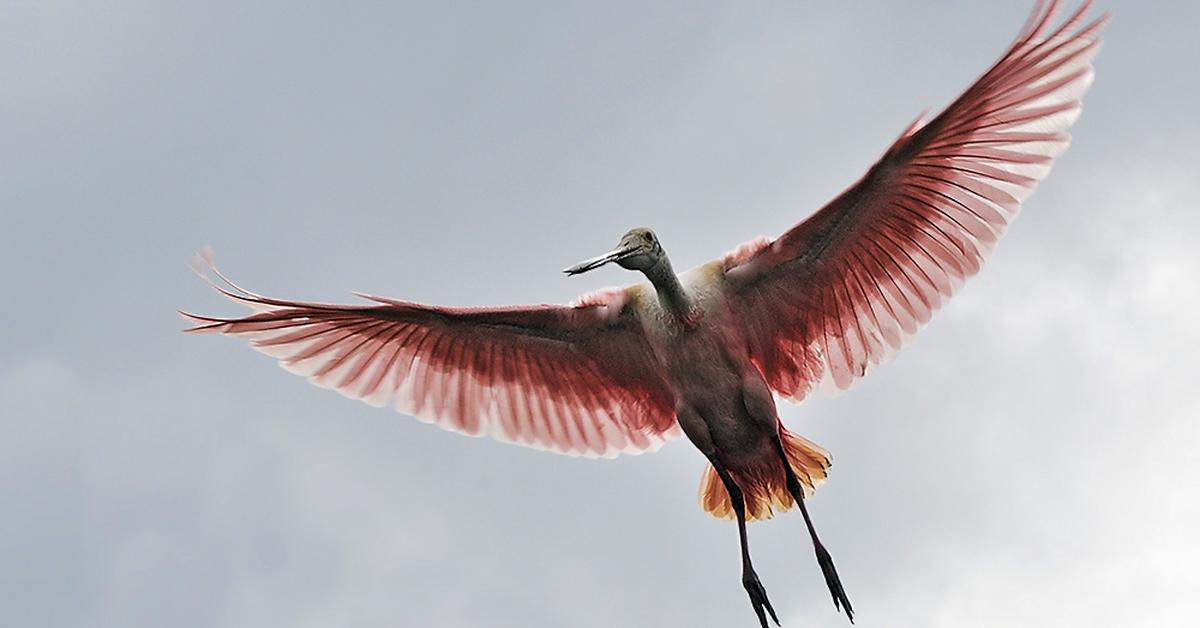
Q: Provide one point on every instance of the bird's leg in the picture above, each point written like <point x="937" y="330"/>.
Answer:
<point x="758" y="594"/>
<point x="840" y="601"/>
<point x="697" y="431"/>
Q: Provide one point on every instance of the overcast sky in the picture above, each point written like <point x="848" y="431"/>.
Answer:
<point x="1030" y="460"/>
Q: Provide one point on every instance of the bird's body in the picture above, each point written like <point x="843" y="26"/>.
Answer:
<point x="707" y="362"/>
<point x="705" y="353"/>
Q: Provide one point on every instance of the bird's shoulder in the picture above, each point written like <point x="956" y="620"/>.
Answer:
<point x="705" y="283"/>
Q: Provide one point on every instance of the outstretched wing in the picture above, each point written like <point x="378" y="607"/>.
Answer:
<point x="577" y="380"/>
<point x="840" y="290"/>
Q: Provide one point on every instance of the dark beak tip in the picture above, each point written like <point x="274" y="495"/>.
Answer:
<point x="597" y="262"/>
<point x="579" y="269"/>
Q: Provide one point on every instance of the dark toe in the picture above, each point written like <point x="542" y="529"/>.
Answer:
<point x="758" y="598"/>
<point x="840" y="600"/>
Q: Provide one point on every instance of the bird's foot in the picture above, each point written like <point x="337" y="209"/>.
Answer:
<point x="840" y="601"/>
<point x="758" y="597"/>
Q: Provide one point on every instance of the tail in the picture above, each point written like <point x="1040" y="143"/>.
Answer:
<point x="765" y="487"/>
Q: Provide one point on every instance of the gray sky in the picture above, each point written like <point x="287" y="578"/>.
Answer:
<point x="1029" y="460"/>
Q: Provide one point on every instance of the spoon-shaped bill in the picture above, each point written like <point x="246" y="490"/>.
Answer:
<point x="600" y="260"/>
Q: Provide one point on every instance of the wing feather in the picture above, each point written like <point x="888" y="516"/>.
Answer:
<point x="839" y="292"/>
<point x="578" y="380"/>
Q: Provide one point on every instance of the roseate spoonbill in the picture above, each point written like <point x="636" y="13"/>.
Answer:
<point x="702" y="353"/>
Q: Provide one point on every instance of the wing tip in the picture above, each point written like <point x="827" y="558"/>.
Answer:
<point x="379" y="299"/>
<point x="200" y="324"/>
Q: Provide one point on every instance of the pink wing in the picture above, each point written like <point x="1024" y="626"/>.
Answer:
<point x="840" y="290"/>
<point x="577" y="380"/>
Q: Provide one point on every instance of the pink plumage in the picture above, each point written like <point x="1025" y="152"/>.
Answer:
<point x="702" y="353"/>
<point x="574" y="380"/>
<point x="839" y="291"/>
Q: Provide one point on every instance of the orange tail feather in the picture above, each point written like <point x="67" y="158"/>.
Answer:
<point x="765" y="486"/>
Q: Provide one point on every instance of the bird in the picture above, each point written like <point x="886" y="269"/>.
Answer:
<point x="706" y="353"/>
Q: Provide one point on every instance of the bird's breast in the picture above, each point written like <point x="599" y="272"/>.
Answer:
<point x="701" y="357"/>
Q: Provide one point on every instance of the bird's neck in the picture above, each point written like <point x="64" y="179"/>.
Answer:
<point x="670" y="291"/>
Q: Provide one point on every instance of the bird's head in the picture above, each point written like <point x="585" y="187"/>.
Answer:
<point x="638" y="250"/>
